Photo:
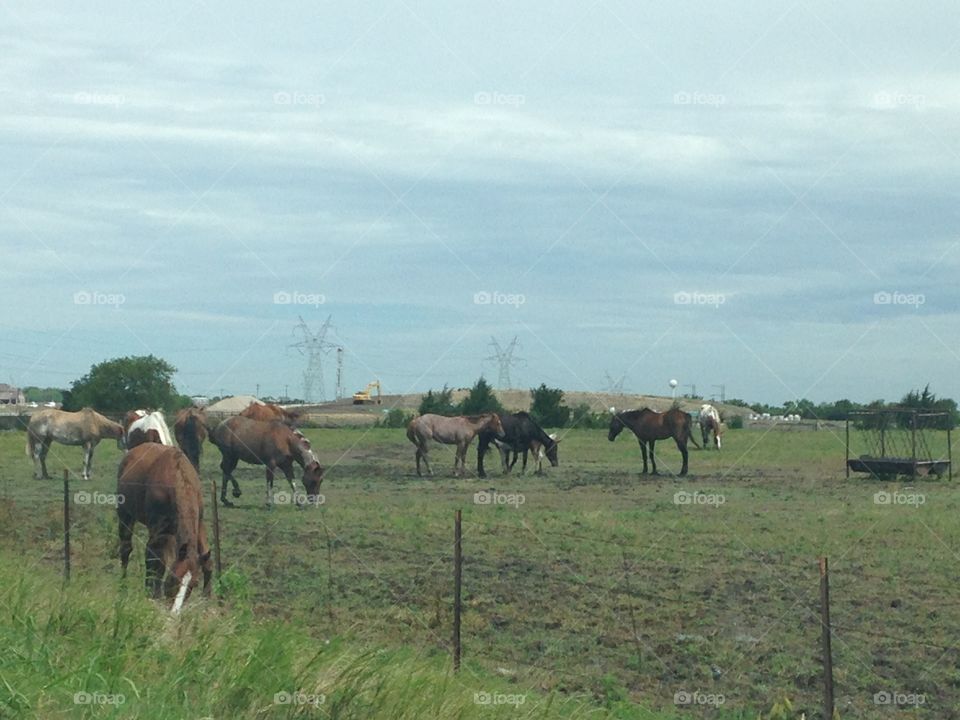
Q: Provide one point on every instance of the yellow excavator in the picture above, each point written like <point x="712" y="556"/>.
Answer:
<point x="364" y="396"/>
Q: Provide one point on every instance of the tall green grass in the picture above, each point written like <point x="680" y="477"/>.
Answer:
<point x="89" y="650"/>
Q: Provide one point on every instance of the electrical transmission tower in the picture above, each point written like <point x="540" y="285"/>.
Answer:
<point x="615" y="387"/>
<point x="505" y="360"/>
<point x="314" y="346"/>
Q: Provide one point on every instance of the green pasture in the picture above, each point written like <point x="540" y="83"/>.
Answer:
<point x="589" y="589"/>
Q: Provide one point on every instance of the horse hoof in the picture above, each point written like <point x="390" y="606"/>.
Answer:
<point x="225" y="502"/>
<point x="236" y="492"/>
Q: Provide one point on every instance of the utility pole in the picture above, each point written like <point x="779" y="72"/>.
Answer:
<point x="693" y="389"/>
<point x="723" y="392"/>
<point x="258" y="391"/>
<point x="339" y="391"/>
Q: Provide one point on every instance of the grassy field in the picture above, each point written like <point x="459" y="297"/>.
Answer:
<point x="653" y="597"/>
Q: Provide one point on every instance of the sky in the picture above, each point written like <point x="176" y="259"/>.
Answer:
<point x="761" y="196"/>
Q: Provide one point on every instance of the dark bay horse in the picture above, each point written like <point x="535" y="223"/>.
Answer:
<point x="190" y="430"/>
<point x="157" y="486"/>
<point x="650" y="426"/>
<point x="273" y="445"/>
<point x="521" y="434"/>
<point x="459" y="431"/>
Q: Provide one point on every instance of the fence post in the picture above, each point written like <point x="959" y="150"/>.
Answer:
<point x="949" y="450"/>
<point x="218" y="566"/>
<point x="66" y="525"/>
<point x="847" y="458"/>
<point x="825" y="639"/>
<point x="457" y="586"/>
<point x="913" y="444"/>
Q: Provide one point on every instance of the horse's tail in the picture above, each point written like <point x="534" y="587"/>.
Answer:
<point x="411" y="433"/>
<point x="191" y="440"/>
<point x="688" y="429"/>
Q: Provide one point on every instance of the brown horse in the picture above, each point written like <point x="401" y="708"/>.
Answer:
<point x="190" y="430"/>
<point x="86" y="427"/>
<point x="458" y="431"/>
<point x="269" y="411"/>
<point x="157" y="486"/>
<point x="272" y="444"/>
<point x="650" y="426"/>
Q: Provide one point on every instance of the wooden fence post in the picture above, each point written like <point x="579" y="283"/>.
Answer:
<point x="457" y="586"/>
<point x="66" y="525"/>
<point x="217" y="564"/>
<point x="825" y="639"/>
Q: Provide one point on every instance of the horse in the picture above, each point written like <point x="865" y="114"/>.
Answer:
<point x="650" y="426"/>
<point x="541" y="451"/>
<point x="271" y="444"/>
<point x="142" y="426"/>
<point x="459" y="431"/>
<point x="520" y="432"/>
<point x="86" y="427"/>
<point x="190" y="430"/>
<point x="710" y="420"/>
<point x="269" y="411"/>
<point x="158" y="487"/>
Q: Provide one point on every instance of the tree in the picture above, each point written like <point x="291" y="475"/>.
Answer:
<point x="125" y="384"/>
<point x="438" y="403"/>
<point x="480" y="399"/>
<point x="547" y="407"/>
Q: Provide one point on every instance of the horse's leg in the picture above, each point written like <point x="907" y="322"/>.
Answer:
<point x="154" y="564"/>
<point x="36" y="449"/>
<point x="298" y="497"/>
<point x="125" y="523"/>
<point x="682" y="447"/>
<point x="227" y="466"/>
<point x="460" y="460"/>
<point x="44" y="449"/>
<point x="270" y="468"/>
<point x="426" y="459"/>
<point x="87" y="459"/>
<point x="523" y="468"/>
<point x="643" y="454"/>
<point x="653" y="460"/>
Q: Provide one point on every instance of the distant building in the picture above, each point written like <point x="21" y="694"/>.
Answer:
<point x="200" y="400"/>
<point x="10" y="395"/>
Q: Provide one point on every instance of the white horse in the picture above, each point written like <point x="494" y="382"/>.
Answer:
<point x="147" y="427"/>
<point x="710" y="420"/>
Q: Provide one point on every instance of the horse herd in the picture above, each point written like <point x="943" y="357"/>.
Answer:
<point x="160" y="485"/>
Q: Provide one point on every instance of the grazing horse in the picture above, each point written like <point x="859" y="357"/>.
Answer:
<point x="86" y="427"/>
<point x="268" y="412"/>
<point x="650" y="426"/>
<point x="272" y="444"/>
<point x="541" y="451"/>
<point x="459" y="431"/>
<point x="710" y="421"/>
<point x="190" y="430"/>
<point x="520" y="432"/>
<point x="143" y="426"/>
<point x="157" y="486"/>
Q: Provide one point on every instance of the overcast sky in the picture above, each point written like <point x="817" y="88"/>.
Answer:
<point x="760" y="195"/>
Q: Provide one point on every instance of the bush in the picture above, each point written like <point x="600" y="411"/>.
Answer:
<point x="583" y="417"/>
<point x="438" y="403"/>
<point x="481" y="399"/>
<point x="547" y="407"/>
<point x="735" y="422"/>
<point x="394" y="418"/>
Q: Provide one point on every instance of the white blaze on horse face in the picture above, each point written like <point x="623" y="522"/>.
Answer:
<point x="182" y="592"/>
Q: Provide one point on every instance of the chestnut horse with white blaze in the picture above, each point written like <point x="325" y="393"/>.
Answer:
<point x="158" y="487"/>
<point x="459" y="431"/>
<point x="86" y="427"/>
<point x="142" y="426"/>
<point x="273" y="445"/>
<point x="650" y="426"/>
<point x="710" y="422"/>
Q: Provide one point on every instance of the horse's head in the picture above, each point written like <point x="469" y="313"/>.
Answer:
<point x="496" y="425"/>
<point x="616" y="427"/>
<point x="551" y="452"/>
<point x="188" y="561"/>
<point x="312" y="478"/>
